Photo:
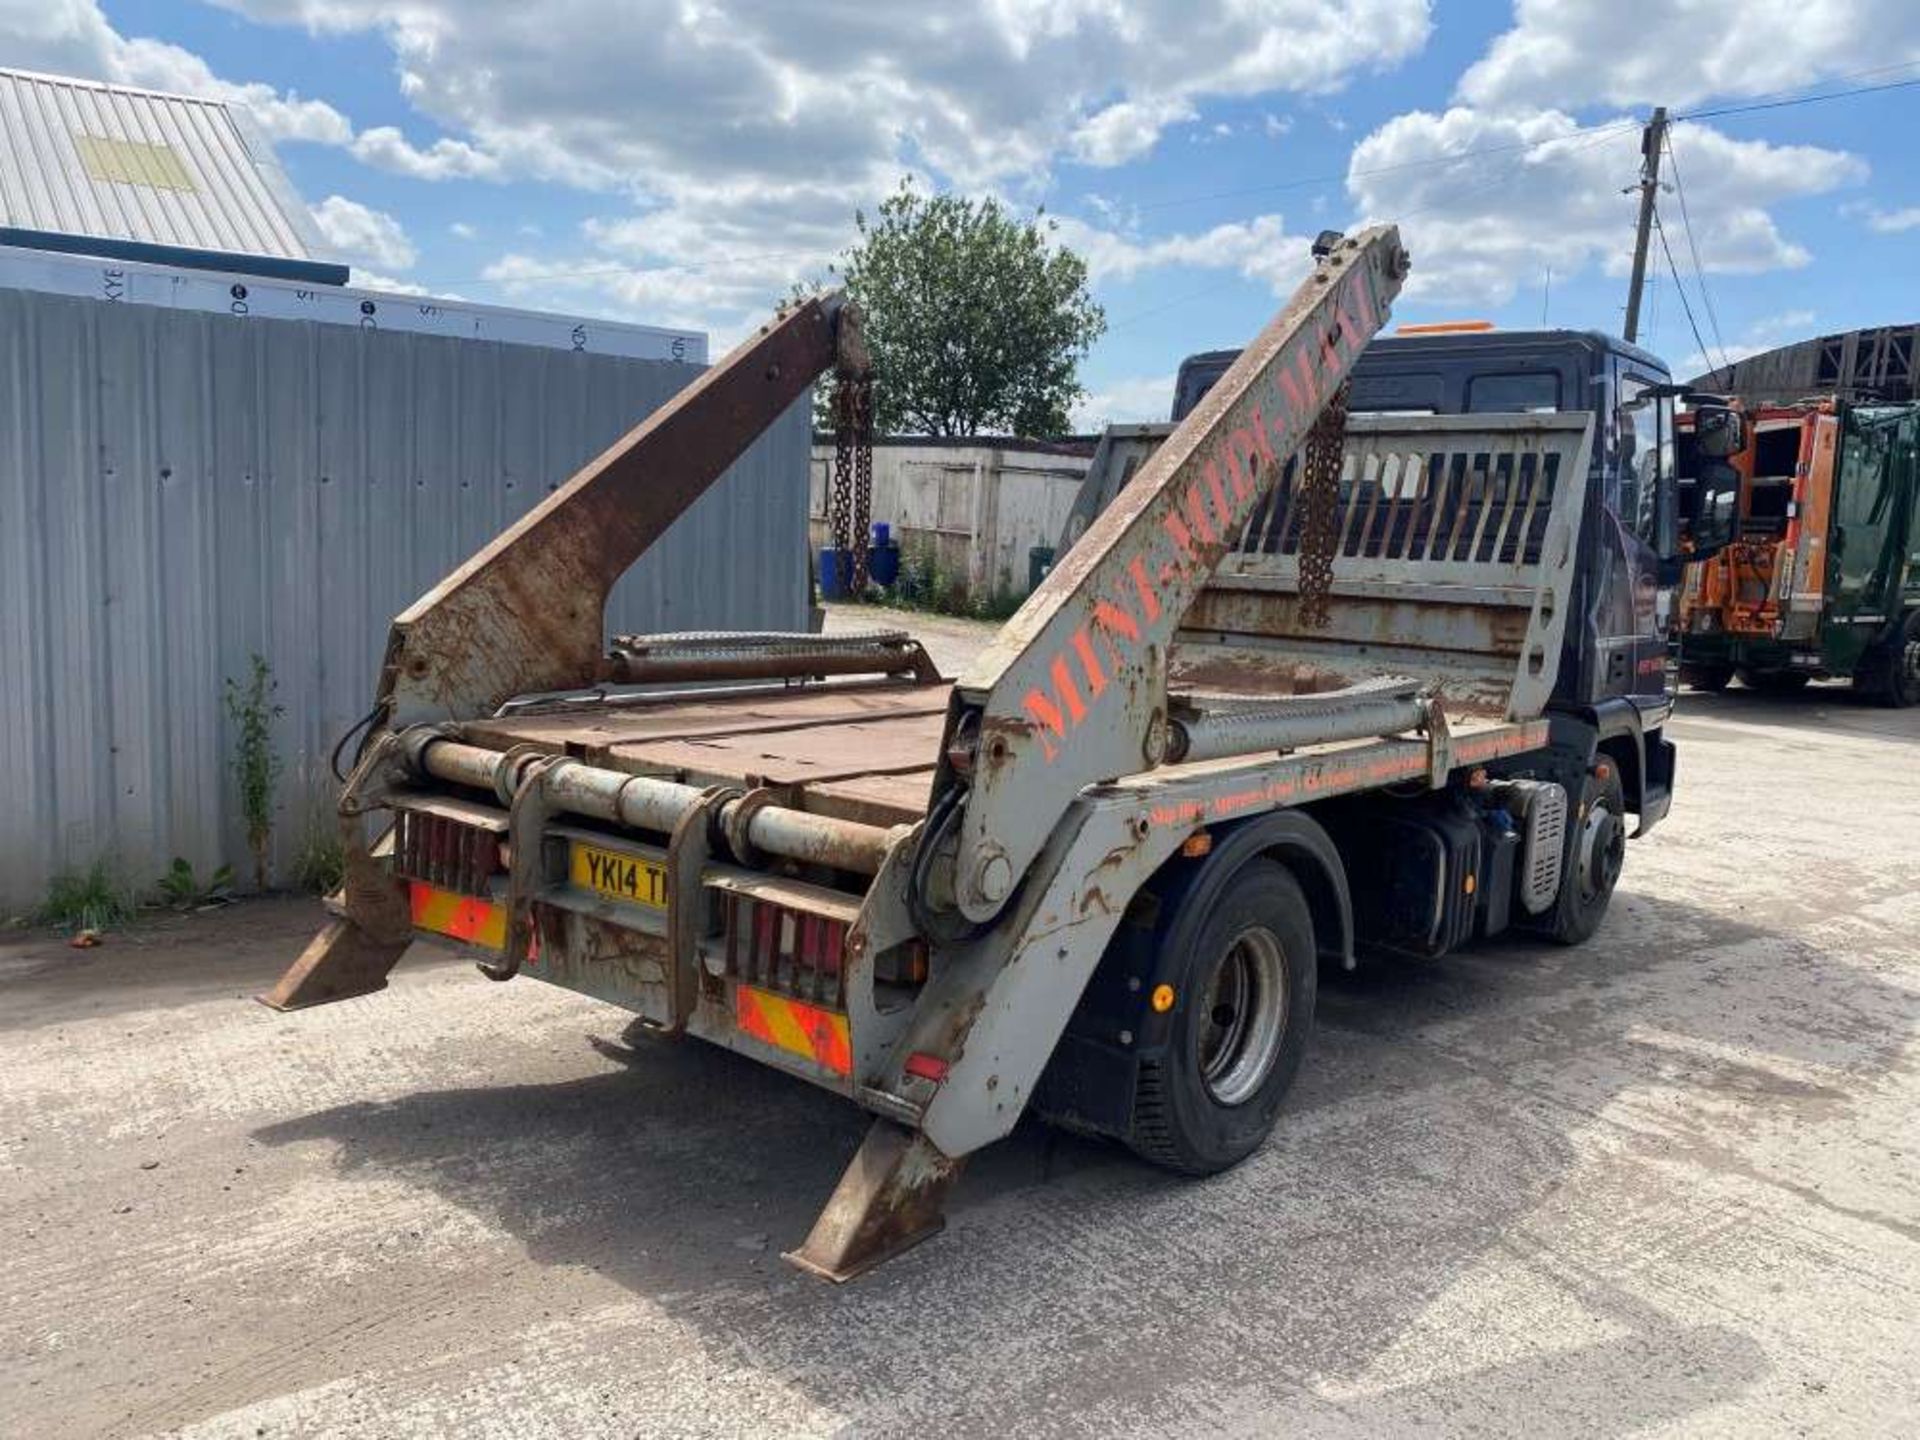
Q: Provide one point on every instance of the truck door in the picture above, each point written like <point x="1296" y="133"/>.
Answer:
<point x="1632" y="600"/>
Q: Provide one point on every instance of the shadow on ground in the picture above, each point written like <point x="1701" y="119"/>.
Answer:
<point x="1829" y="708"/>
<point x="1442" y="1110"/>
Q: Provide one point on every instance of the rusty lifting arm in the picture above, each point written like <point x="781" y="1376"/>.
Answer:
<point x="527" y="612"/>
<point x="1073" y="690"/>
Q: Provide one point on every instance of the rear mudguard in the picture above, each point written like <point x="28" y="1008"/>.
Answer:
<point x="1089" y="1084"/>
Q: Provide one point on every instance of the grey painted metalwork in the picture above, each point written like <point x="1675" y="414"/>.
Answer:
<point x="81" y="158"/>
<point x="178" y="490"/>
<point x="1454" y="558"/>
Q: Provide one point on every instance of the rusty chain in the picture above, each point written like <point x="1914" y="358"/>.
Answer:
<point x="1319" y="498"/>
<point x="852" y="499"/>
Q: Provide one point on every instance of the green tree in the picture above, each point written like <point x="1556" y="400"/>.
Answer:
<point x="977" y="322"/>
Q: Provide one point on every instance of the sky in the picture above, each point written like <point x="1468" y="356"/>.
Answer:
<point x="687" y="163"/>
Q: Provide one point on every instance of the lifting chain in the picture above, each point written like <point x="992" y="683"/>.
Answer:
<point x="1319" y="498"/>
<point x="852" y="499"/>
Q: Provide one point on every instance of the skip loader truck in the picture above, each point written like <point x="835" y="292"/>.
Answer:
<point x="1292" y="695"/>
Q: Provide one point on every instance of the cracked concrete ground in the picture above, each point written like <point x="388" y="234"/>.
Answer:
<point x="1665" y="1183"/>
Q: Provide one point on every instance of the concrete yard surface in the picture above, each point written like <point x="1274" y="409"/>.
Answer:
<point x="1665" y="1183"/>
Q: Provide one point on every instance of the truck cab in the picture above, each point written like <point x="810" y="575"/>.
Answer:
<point x="1614" y="673"/>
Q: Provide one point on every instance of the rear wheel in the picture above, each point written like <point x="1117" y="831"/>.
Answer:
<point x="1891" y="673"/>
<point x="1596" y="851"/>
<point x="1711" y="678"/>
<point x="1243" y="1010"/>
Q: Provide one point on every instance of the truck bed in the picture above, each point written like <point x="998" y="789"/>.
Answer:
<point x="861" y="752"/>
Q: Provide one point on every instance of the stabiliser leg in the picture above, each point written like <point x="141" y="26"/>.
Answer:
<point x="891" y="1197"/>
<point x="342" y="961"/>
<point x="353" y="953"/>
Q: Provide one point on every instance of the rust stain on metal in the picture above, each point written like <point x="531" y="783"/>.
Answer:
<point x="526" y="613"/>
<point x="892" y="1196"/>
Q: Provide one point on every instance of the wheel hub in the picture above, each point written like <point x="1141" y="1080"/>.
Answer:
<point x="1602" y="847"/>
<point x="1246" y="1010"/>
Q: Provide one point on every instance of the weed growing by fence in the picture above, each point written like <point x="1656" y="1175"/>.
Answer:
<point x="926" y="585"/>
<point x="91" y="899"/>
<point x="321" y="864"/>
<point x="181" y="888"/>
<point x="255" y="764"/>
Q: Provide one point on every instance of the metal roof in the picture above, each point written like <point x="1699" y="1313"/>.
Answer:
<point x="139" y="175"/>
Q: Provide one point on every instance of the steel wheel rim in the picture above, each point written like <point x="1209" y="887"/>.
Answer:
<point x="1603" y="843"/>
<point x="1244" y="1017"/>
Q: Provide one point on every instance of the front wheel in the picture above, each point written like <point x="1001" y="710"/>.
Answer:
<point x="1243" y="997"/>
<point x="1596" y="852"/>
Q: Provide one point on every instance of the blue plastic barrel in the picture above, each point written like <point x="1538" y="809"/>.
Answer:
<point x="836" y="570"/>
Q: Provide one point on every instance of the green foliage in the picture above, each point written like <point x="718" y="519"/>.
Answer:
<point x="91" y="899"/>
<point x="977" y="321"/>
<point x="255" y="765"/>
<point x="925" y="584"/>
<point x="183" y="890"/>
<point x="321" y="866"/>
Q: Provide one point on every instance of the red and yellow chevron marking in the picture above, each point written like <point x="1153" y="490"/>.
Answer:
<point x="819" y="1035"/>
<point x="478" y="922"/>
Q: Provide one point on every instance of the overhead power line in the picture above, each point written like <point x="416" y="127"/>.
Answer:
<point x="1699" y="270"/>
<point x="1681" y="291"/>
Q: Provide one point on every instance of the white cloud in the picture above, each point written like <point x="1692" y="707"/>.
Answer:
<point x="746" y="126"/>
<point x="1260" y="249"/>
<point x="1787" y="322"/>
<point x="1126" y="130"/>
<point x="593" y="94"/>
<point x="1143" y="398"/>
<point x="364" y="235"/>
<point x="725" y="127"/>
<point x="73" y="37"/>
<point x="461" y="230"/>
<point x="1766" y="333"/>
<point x="1568" y="53"/>
<point x="1479" y="228"/>
<point x="374" y="280"/>
<point x="1892" y="222"/>
<point x="385" y="148"/>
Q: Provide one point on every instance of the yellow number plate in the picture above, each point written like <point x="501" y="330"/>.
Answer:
<point x="620" y="877"/>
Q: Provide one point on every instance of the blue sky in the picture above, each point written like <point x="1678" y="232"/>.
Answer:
<point x="686" y="163"/>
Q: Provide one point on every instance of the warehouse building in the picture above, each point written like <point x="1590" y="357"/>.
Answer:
<point x="214" y="448"/>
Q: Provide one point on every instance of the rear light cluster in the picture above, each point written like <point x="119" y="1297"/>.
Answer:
<point x="445" y="852"/>
<point x="786" y="950"/>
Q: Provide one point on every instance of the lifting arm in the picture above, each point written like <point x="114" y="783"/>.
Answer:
<point x="527" y="613"/>
<point x="1073" y="690"/>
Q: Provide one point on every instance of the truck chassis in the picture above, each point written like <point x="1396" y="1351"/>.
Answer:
<point x="930" y="896"/>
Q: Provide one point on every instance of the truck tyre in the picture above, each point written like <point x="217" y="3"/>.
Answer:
<point x="1711" y="678"/>
<point x="1243" y="996"/>
<point x="1891" y="673"/>
<point x="1596" y="848"/>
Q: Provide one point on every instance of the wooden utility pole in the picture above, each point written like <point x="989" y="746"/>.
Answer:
<point x="1652" y="140"/>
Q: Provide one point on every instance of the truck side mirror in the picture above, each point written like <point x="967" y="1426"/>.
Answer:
<point x="1718" y="431"/>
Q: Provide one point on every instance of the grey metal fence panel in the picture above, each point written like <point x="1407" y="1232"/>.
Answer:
<point x="180" y="490"/>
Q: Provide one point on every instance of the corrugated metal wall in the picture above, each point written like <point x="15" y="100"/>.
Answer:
<point x="179" y="490"/>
